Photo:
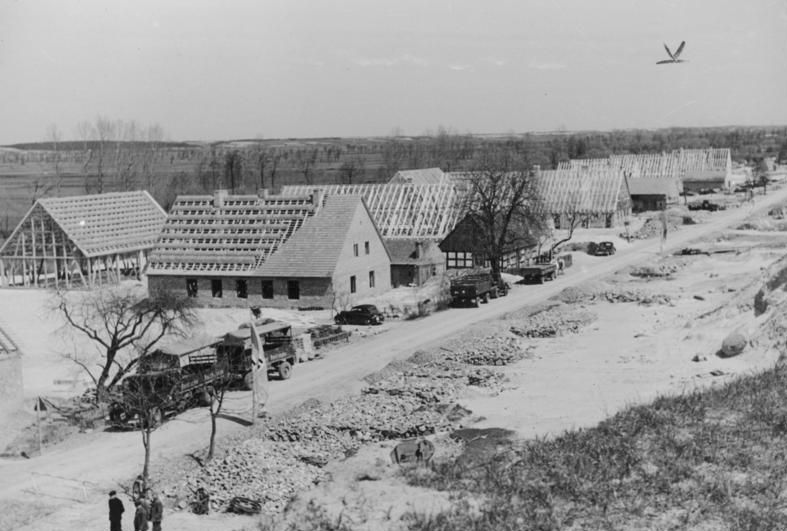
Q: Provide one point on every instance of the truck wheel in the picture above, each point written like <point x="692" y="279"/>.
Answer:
<point x="248" y="381"/>
<point x="285" y="370"/>
<point x="205" y="397"/>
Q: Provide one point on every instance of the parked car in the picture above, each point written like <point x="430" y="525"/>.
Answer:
<point x="601" y="249"/>
<point x="364" y="314"/>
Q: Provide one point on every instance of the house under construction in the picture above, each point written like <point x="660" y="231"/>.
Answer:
<point x="80" y="241"/>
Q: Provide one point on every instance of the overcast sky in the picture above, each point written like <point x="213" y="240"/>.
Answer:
<point x="290" y="68"/>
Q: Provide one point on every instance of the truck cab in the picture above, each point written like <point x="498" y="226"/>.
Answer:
<point x="277" y="344"/>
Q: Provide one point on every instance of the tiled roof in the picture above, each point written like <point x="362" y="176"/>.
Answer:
<point x="102" y="224"/>
<point x="419" y="211"/>
<point x="227" y="233"/>
<point x="313" y="251"/>
<point x="420" y="176"/>
<point x="404" y="252"/>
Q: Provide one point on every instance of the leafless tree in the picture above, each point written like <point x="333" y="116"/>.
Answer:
<point x="54" y="137"/>
<point x="217" y="401"/>
<point x="124" y="324"/>
<point x="352" y="169"/>
<point x="502" y="196"/>
<point x="307" y="163"/>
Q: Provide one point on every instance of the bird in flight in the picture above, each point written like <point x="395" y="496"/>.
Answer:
<point x="673" y="57"/>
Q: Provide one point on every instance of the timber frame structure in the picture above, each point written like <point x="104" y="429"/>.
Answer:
<point x="402" y="210"/>
<point x="81" y="241"/>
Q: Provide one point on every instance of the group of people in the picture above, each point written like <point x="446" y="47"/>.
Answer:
<point x="149" y="509"/>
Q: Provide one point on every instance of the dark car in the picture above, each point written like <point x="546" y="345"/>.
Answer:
<point x="364" y="314"/>
<point x="602" y="249"/>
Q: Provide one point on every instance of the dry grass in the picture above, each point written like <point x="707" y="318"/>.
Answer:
<point x="707" y="458"/>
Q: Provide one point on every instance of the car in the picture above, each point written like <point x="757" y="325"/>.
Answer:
<point x="602" y="249"/>
<point x="363" y="314"/>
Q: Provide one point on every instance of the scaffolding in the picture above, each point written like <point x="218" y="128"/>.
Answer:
<point x="81" y="241"/>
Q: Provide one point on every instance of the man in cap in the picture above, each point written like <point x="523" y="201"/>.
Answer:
<point x="115" y="511"/>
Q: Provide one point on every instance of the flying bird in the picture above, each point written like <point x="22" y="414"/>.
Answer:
<point x="673" y="57"/>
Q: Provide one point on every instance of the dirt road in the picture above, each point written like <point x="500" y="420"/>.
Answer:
<point x="104" y="459"/>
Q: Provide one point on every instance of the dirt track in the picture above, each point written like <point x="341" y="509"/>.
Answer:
<point x="108" y="458"/>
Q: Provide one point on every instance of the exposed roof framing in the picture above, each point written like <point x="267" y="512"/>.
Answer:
<point x="7" y="345"/>
<point x="420" y="176"/>
<point x="228" y="233"/>
<point x="98" y="225"/>
<point x="586" y="191"/>
<point x="401" y="210"/>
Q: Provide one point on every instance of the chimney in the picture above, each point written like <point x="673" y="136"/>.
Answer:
<point x="317" y="198"/>
<point x="419" y="250"/>
<point x="219" y="196"/>
<point x="263" y="193"/>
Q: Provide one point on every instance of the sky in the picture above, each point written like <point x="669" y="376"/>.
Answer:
<point x="296" y="68"/>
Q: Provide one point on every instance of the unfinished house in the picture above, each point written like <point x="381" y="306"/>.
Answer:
<point x="11" y="388"/>
<point x="708" y="169"/>
<point x="286" y="251"/>
<point x="416" y="211"/>
<point x="87" y="240"/>
<point x="413" y="262"/>
<point x="597" y="196"/>
<point x="652" y="194"/>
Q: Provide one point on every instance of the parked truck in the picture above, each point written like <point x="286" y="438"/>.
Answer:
<point x="474" y="288"/>
<point x="167" y="381"/>
<point x="277" y="344"/>
<point x="537" y="273"/>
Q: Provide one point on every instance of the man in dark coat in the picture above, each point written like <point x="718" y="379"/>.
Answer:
<point x="156" y="512"/>
<point x="115" y="511"/>
<point x="140" y="517"/>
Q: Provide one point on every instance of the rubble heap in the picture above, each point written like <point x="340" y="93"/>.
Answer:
<point x="490" y="350"/>
<point x="637" y="295"/>
<point x="554" y="322"/>
<point x="651" y="271"/>
<point x="270" y="473"/>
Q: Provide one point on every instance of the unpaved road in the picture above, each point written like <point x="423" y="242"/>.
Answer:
<point x="104" y="459"/>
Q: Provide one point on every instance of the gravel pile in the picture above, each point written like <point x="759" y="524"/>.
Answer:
<point x="655" y="271"/>
<point x="638" y="296"/>
<point x="490" y="350"/>
<point x="554" y="322"/>
<point x="653" y="226"/>
<point x="268" y="472"/>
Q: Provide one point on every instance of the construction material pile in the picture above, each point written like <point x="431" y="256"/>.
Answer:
<point x="653" y="227"/>
<point x="637" y="295"/>
<point x="490" y="350"/>
<point x="554" y="322"/>
<point x="655" y="271"/>
<point x="267" y="472"/>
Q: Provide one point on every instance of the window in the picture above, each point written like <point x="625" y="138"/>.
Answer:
<point x="371" y="279"/>
<point x="459" y="260"/>
<point x="355" y="249"/>
<point x="352" y="284"/>
<point x="242" y="289"/>
<point x="293" y="289"/>
<point x="215" y="287"/>
<point x="267" y="289"/>
<point x="366" y="247"/>
<point x="191" y="287"/>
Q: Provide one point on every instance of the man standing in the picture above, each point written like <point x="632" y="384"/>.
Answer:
<point x="140" y="517"/>
<point x="156" y="512"/>
<point x="115" y="511"/>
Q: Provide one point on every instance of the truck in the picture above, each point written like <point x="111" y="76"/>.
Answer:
<point x="277" y="344"/>
<point x="169" y="380"/>
<point x="474" y="288"/>
<point x="536" y="273"/>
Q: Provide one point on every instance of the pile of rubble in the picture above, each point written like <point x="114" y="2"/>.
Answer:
<point x="556" y="321"/>
<point x="490" y="350"/>
<point x="637" y="295"/>
<point x="655" y="271"/>
<point x="654" y="226"/>
<point x="268" y="472"/>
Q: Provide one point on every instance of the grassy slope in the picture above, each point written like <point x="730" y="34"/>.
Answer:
<point x="706" y="460"/>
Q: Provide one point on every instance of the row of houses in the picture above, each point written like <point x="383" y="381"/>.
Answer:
<point x="307" y="247"/>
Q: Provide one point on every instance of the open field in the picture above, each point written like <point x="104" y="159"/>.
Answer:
<point x="573" y="380"/>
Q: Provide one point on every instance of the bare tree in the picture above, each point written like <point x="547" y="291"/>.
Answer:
<point x="54" y="137"/>
<point x="571" y="216"/>
<point x="217" y="401"/>
<point x="124" y="324"/>
<point x="502" y="197"/>
<point x="307" y="164"/>
<point x="352" y="169"/>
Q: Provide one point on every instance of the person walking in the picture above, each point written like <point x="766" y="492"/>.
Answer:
<point x="156" y="512"/>
<point x="116" y="510"/>
<point x="140" y="517"/>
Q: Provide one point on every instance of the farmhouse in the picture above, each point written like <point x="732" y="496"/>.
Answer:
<point x="11" y="389"/>
<point x="288" y="251"/>
<point x="82" y="240"/>
<point x="652" y="194"/>
<point x="414" y="261"/>
<point x="465" y="248"/>
<point x="415" y="211"/>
